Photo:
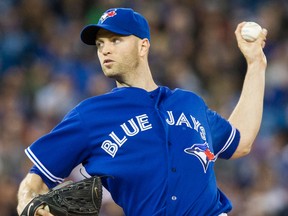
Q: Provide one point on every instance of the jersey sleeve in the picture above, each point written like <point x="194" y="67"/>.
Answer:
<point x="58" y="152"/>
<point x="225" y="137"/>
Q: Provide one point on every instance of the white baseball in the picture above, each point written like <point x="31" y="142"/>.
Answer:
<point x="251" y="31"/>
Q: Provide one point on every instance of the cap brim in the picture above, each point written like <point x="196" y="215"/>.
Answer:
<point x="88" y="34"/>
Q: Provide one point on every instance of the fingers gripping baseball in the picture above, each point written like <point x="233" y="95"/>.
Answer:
<point x="251" y="49"/>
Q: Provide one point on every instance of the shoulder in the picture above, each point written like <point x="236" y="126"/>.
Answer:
<point x="187" y="96"/>
<point x="98" y="100"/>
<point x="114" y="94"/>
<point x="186" y="92"/>
<point x="115" y="100"/>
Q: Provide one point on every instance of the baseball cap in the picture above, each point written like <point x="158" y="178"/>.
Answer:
<point x="123" y="21"/>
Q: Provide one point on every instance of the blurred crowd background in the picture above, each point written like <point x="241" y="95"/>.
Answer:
<point x="45" y="70"/>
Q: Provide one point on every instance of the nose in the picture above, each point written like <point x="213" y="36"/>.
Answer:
<point x="105" y="49"/>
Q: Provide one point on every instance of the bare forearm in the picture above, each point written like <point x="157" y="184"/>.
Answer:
<point x="31" y="186"/>
<point x="247" y="115"/>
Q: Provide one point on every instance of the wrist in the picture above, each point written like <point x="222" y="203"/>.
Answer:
<point x="257" y="64"/>
<point x="258" y="60"/>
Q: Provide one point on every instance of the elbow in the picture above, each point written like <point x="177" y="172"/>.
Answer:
<point x="246" y="145"/>
<point x="243" y="149"/>
<point x="246" y="142"/>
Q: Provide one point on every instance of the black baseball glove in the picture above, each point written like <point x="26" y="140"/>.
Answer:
<point x="78" y="198"/>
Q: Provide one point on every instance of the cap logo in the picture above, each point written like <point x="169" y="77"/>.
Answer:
<point x="108" y="14"/>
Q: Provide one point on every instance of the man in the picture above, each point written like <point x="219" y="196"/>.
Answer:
<point x="158" y="145"/>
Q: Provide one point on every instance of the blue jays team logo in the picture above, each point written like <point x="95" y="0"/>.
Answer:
<point x="203" y="153"/>
<point x="108" y="14"/>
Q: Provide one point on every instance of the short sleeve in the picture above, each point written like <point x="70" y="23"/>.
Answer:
<point x="225" y="137"/>
<point x="58" y="152"/>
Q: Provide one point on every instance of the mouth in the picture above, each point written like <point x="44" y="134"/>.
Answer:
<point x="107" y="61"/>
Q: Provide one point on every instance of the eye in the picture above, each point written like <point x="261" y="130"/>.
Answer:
<point x="99" y="44"/>
<point x="116" y="40"/>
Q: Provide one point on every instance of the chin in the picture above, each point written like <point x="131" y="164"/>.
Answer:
<point x="108" y="72"/>
<point x="111" y="74"/>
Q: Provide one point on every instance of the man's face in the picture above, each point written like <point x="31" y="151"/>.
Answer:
<point x="118" y="55"/>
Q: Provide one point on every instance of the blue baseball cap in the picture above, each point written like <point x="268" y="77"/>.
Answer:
<point x="123" y="21"/>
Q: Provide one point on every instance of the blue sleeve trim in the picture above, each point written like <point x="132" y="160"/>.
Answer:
<point x="42" y="168"/>
<point x="231" y="145"/>
<point x="47" y="181"/>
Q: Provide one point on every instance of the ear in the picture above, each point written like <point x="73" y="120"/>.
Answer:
<point x="144" y="47"/>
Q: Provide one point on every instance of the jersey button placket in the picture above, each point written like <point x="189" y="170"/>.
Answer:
<point x="173" y="198"/>
<point x="173" y="170"/>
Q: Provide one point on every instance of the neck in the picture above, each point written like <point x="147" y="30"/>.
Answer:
<point x="141" y="78"/>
